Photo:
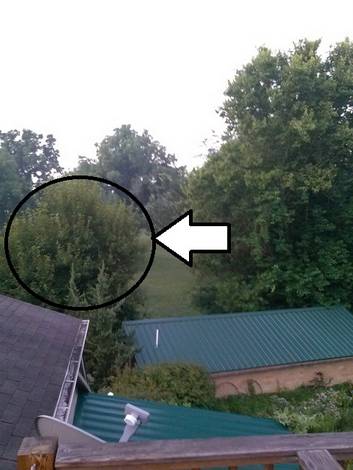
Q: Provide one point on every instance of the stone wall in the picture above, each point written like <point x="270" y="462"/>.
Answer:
<point x="275" y="379"/>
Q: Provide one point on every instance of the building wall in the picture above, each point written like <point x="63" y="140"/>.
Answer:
<point x="275" y="379"/>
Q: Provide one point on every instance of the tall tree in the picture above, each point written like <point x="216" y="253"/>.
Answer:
<point x="142" y="165"/>
<point x="36" y="157"/>
<point x="284" y="179"/>
<point x="11" y="186"/>
<point x="108" y="349"/>
<point x="27" y="160"/>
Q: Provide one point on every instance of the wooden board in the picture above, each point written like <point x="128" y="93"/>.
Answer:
<point x="40" y="451"/>
<point x="203" y="453"/>
<point x="317" y="460"/>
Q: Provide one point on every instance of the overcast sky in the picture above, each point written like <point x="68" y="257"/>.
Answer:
<point x="79" y="69"/>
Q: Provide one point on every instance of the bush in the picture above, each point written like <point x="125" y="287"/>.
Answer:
<point x="71" y="232"/>
<point x="306" y="409"/>
<point x="326" y="411"/>
<point x="175" y="384"/>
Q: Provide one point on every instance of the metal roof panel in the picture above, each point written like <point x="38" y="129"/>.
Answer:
<point x="237" y="341"/>
<point x="103" y="416"/>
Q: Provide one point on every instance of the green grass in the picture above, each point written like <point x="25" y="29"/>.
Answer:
<point x="168" y="287"/>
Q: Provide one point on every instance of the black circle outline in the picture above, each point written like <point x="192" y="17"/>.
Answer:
<point x="89" y="178"/>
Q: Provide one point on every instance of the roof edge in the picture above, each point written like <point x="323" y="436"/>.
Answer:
<point x="214" y="316"/>
<point x="66" y="395"/>
<point x="282" y="365"/>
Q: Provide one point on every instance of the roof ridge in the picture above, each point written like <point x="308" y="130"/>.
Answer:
<point x="215" y="316"/>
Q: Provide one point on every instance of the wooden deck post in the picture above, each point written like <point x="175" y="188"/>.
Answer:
<point x="39" y="451"/>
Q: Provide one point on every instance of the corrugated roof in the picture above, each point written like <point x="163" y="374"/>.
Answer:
<point x="238" y="341"/>
<point x="103" y="416"/>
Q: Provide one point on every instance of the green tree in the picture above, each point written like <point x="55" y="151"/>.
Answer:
<point x="108" y="349"/>
<point x="11" y="186"/>
<point x="283" y="178"/>
<point x="73" y="228"/>
<point x="36" y="157"/>
<point x="26" y="160"/>
<point x="142" y="165"/>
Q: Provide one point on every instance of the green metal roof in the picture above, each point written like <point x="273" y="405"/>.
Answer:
<point x="103" y="416"/>
<point x="238" y="341"/>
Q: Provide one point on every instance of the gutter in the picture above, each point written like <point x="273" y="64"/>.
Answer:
<point x="67" y="392"/>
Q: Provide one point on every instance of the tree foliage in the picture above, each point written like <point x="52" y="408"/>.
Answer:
<point x="73" y="229"/>
<point x="108" y="349"/>
<point x="283" y="178"/>
<point x="36" y="157"/>
<point x="176" y="384"/>
<point x="27" y="160"/>
<point x="11" y="186"/>
<point x="142" y="165"/>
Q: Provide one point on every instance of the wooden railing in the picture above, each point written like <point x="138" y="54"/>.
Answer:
<point x="311" y="451"/>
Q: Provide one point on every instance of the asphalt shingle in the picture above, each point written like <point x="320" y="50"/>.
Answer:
<point x="35" y="347"/>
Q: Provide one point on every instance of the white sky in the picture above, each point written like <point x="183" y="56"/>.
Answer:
<point x="78" y="69"/>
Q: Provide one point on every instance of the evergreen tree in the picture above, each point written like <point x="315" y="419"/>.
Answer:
<point x="108" y="349"/>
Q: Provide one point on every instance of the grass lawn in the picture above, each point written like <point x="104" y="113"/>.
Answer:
<point x="167" y="288"/>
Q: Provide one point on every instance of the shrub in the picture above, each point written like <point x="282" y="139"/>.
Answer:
<point x="176" y="384"/>
<point x="324" y="412"/>
<point x="306" y="409"/>
<point x="72" y="231"/>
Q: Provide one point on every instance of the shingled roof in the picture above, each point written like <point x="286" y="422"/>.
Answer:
<point x="35" y="348"/>
<point x="238" y="341"/>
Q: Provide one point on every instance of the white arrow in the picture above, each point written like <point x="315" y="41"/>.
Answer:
<point x="183" y="237"/>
